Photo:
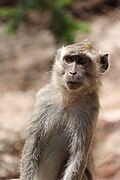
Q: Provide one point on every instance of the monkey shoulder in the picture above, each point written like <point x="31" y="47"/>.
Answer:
<point x="45" y="103"/>
<point x="48" y="96"/>
<point x="43" y="92"/>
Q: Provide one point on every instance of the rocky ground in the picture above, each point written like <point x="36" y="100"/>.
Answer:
<point x="25" y="61"/>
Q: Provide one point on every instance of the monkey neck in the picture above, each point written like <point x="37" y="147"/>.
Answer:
<point x="78" y="98"/>
<point x="65" y="98"/>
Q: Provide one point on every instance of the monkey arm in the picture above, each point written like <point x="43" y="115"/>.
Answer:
<point x="34" y="144"/>
<point x="36" y="140"/>
<point x="79" y="155"/>
<point x="31" y="156"/>
<point x="29" y="160"/>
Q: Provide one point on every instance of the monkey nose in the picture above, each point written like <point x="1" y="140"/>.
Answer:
<point x="73" y="73"/>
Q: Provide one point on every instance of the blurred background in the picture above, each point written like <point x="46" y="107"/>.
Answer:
<point x="30" y="33"/>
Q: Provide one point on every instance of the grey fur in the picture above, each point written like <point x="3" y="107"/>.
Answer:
<point x="59" y="142"/>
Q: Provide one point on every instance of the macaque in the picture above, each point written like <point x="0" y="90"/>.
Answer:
<point x="60" y="136"/>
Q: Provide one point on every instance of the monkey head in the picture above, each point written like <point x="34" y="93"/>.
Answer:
<point x="79" y="66"/>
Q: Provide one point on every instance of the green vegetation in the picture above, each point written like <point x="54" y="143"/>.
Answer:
<point x="62" y="24"/>
<point x="13" y="17"/>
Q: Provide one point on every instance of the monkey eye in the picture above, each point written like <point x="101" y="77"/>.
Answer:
<point x="68" y="59"/>
<point x="82" y="61"/>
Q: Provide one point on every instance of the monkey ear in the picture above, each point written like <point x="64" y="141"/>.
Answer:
<point x="104" y="63"/>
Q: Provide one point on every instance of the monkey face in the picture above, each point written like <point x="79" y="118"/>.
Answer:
<point x="79" y="67"/>
<point x="77" y="70"/>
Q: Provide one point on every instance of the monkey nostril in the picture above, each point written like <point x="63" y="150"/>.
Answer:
<point x="73" y="73"/>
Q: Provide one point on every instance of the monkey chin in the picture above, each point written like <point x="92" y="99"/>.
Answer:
<point x="73" y="85"/>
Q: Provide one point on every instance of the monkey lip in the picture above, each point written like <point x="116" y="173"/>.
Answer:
<point x="72" y="85"/>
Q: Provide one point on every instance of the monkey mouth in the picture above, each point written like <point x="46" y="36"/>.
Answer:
<point x="72" y="85"/>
